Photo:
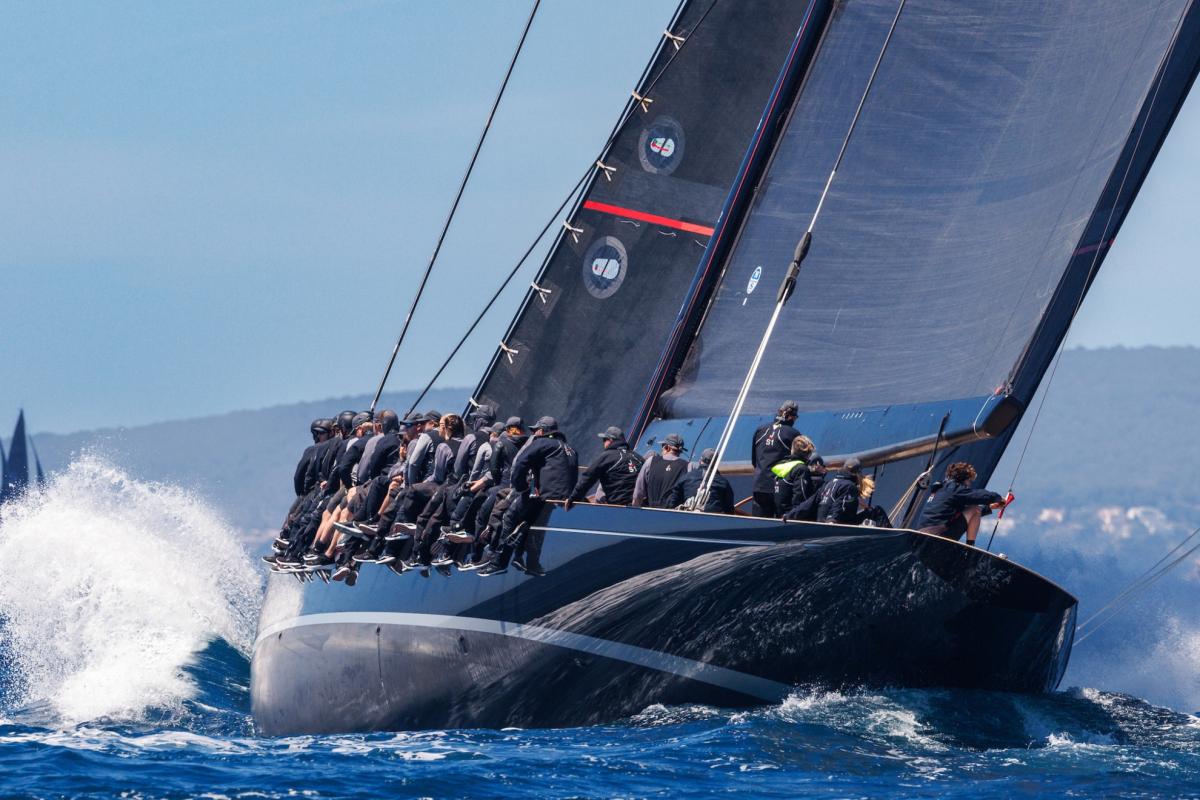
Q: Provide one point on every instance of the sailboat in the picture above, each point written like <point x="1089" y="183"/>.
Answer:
<point x="14" y="465"/>
<point x="995" y="151"/>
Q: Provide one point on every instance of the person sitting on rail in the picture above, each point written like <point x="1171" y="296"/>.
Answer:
<point x="870" y="515"/>
<point x="954" y="508"/>
<point x="498" y="479"/>
<point x="320" y="430"/>
<point x="659" y="473"/>
<point x="720" y="496"/>
<point x="546" y="469"/>
<point x="616" y="468"/>
<point x="799" y="477"/>
<point x="462" y="525"/>
<point x="838" y="499"/>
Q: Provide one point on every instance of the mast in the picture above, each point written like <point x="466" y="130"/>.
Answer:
<point x="737" y="203"/>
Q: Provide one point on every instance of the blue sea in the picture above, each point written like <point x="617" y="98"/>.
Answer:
<point x="124" y="672"/>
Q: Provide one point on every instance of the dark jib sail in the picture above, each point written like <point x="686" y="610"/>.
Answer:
<point x="992" y="164"/>
<point x="585" y="349"/>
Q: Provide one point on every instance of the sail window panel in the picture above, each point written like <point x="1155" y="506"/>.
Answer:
<point x="979" y="158"/>
<point x="587" y="358"/>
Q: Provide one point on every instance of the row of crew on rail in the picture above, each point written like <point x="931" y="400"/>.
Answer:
<point x="424" y="492"/>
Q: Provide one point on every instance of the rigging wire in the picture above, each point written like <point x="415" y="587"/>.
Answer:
<point x="1147" y="579"/>
<point x="789" y="282"/>
<point x="454" y="206"/>
<point x="1094" y="266"/>
<point x="680" y="44"/>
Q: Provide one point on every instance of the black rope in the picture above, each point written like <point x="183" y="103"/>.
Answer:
<point x="630" y="107"/>
<point x="454" y="206"/>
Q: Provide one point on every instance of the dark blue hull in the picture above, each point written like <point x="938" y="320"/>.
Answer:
<point x="644" y="606"/>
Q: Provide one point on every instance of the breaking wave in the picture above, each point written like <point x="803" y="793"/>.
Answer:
<point x="111" y="590"/>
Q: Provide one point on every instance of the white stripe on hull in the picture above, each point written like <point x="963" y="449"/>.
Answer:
<point x="747" y="684"/>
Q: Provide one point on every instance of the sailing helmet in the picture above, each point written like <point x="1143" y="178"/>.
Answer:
<point x="345" y="421"/>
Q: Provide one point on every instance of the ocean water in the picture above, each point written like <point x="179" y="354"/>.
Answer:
<point x="124" y="672"/>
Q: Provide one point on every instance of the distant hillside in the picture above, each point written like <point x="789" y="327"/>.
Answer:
<point x="1118" y="424"/>
<point x="242" y="461"/>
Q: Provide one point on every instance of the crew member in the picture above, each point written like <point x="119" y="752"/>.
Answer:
<point x="659" y="473"/>
<point x="546" y="469"/>
<point x="720" y="495"/>
<point x="838" y="499"/>
<point x="954" y="508"/>
<point x="772" y="444"/>
<point x="798" y="478"/>
<point x="616" y="468"/>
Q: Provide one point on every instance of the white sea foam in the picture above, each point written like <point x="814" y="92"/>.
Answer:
<point x="109" y="586"/>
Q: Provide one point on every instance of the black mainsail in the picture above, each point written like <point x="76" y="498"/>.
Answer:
<point x="585" y="343"/>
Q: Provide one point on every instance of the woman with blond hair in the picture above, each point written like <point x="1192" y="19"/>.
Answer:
<point x="869" y="515"/>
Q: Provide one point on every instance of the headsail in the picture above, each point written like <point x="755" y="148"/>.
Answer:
<point x="996" y="137"/>
<point x="586" y="341"/>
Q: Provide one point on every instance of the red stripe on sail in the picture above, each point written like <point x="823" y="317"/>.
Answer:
<point x="642" y="216"/>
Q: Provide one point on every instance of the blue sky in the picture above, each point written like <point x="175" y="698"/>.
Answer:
<point x="213" y="206"/>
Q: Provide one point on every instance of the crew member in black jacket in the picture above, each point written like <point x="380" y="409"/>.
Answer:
<point x="954" y="508"/>
<point x="545" y="469"/>
<point x="616" y="468"/>
<point x="838" y="499"/>
<point x="772" y="444"/>
<point x="320" y="432"/>
<point x="720" y="495"/>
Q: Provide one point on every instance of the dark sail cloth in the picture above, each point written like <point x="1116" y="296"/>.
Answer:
<point x="772" y="444"/>
<point x="616" y="468"/>
<point x="943" y="511"/>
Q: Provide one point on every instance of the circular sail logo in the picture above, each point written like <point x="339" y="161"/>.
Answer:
<point x="660" y="147"/>
<point x="755" y="277"/>
<point x="604" y="267"/>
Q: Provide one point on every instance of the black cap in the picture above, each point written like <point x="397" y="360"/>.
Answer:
<point x="675" y="440"/>
<point x="431" y="416"/>
<point x="708" y="455"/>
<point x="514" y="422"/>
<point x="497" y="427"/>
<point x="412" y="419"/>
<point x="548" y="424"/>
<point x="852" y="465"/>
<point x="612" y="432"/>
<point x="483" y="415"/>
<point x="361" y="418"/>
